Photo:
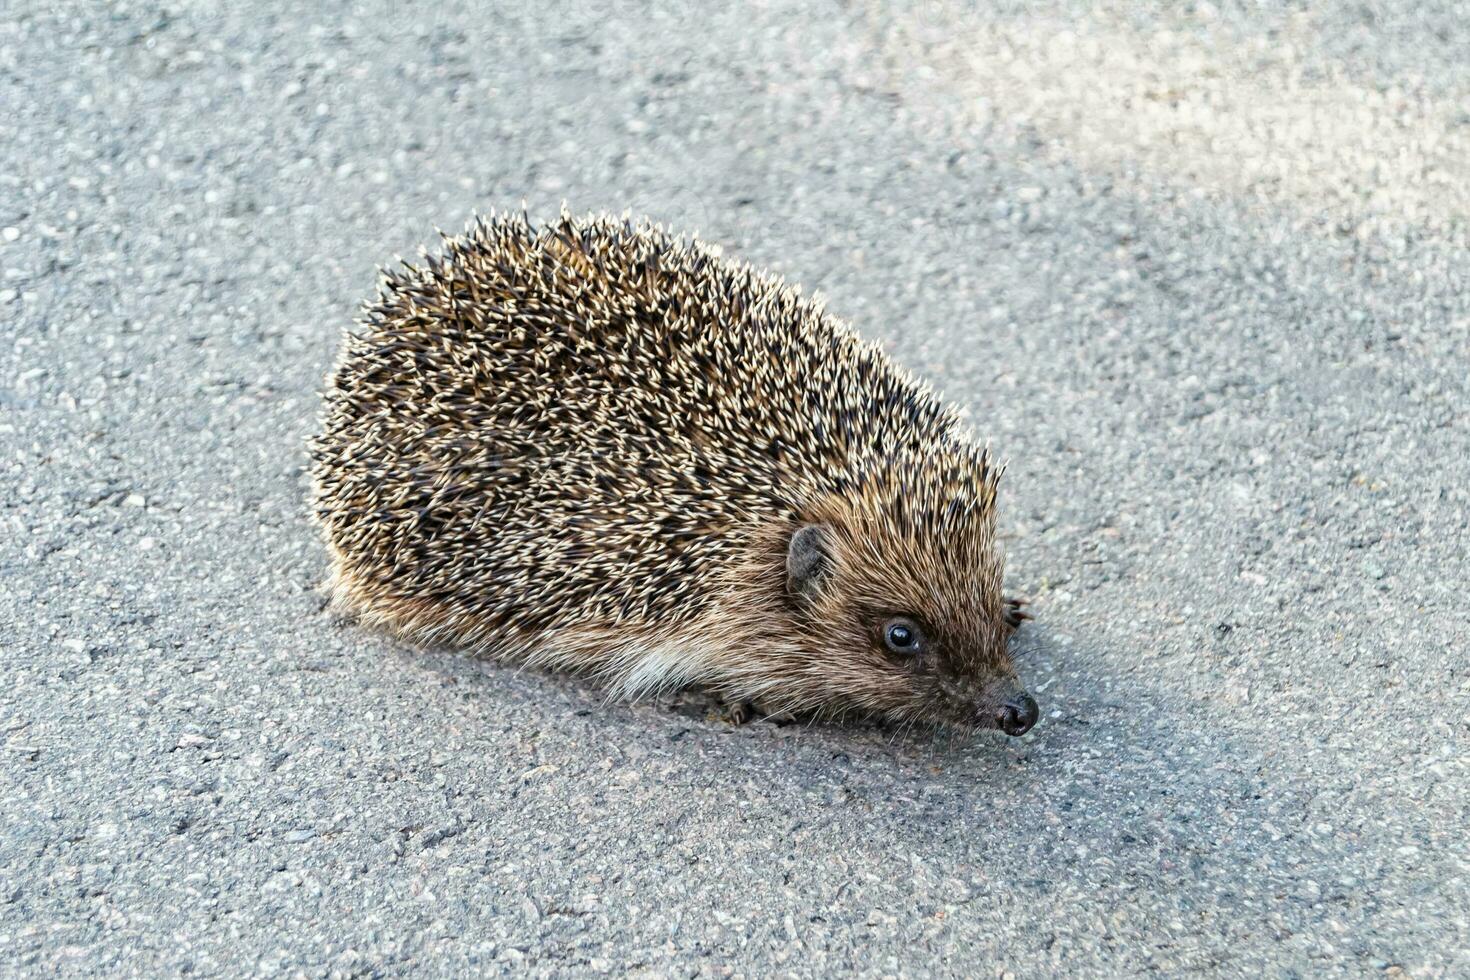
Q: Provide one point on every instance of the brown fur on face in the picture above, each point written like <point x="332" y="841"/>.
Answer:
<point x="591" y="445"/>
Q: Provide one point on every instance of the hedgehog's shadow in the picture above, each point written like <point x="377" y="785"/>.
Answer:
<point x="1093" y="758"/>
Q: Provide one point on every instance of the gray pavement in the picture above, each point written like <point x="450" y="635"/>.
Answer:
<point x="1199" y="272"/>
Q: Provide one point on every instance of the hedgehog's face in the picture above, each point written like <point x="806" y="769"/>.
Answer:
<point x="908" y="628"/>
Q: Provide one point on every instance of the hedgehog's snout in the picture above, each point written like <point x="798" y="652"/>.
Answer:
<point x="1017" y="714"/>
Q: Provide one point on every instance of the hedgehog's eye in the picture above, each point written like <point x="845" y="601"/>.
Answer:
<point x="902" y="635"/>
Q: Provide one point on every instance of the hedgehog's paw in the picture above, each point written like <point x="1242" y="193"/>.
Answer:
<point x="737" y="711"/>
<point x="1014" y="614"/>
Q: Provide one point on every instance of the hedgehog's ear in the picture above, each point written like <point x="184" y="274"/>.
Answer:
<point x="808" y="559"/>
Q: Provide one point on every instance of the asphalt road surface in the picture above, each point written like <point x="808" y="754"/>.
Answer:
<point x="1198" y="271"/>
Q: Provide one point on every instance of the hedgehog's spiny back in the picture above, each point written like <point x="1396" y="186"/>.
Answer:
<point x="585" y="422"/>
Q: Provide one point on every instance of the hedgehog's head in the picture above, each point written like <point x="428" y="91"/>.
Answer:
<point x="896" y="594"/>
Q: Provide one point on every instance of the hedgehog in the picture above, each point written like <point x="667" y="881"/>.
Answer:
<point x="594" y="446"/>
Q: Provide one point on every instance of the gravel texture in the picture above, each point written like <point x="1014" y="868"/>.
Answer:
<point x="1198" y="270"/>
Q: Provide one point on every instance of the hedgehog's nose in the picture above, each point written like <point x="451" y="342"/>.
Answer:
<point x="1018" y="714"/>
